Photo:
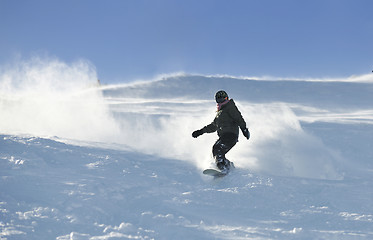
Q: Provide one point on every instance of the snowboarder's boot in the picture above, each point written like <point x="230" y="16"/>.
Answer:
<point x="223" y="164"/>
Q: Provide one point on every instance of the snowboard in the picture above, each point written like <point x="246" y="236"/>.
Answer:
<point x="214" y="172"/>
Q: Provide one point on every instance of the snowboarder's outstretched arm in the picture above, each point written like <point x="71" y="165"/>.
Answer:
<point x="206" y="129"/>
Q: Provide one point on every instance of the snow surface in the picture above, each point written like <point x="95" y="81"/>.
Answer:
<point x="82" y="161"/>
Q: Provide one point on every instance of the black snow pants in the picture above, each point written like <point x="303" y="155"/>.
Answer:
<point x="225" y="143"/>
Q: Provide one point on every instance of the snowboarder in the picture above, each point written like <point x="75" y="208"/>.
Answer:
<point x="227" y="122"/>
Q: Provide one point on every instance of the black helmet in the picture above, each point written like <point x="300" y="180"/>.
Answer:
<point x="221" y="96"/>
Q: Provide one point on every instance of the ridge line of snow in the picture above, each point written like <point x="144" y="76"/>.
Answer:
<point x="365" y="78"/>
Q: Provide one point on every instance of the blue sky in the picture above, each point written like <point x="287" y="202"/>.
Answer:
<point x="132" y="39"/>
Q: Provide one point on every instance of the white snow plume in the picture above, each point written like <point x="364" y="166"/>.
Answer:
<point x="47" y="97"/>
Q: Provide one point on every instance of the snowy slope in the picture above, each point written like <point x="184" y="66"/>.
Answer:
<point x="52" y="190"/>
<point x="81" y="161"/>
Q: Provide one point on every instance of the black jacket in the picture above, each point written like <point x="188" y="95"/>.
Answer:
<point x="228" y="120"/>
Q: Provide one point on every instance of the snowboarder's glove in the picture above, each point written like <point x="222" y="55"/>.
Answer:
<point x="246" y="133"/>
<point x="197" y="133"/>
